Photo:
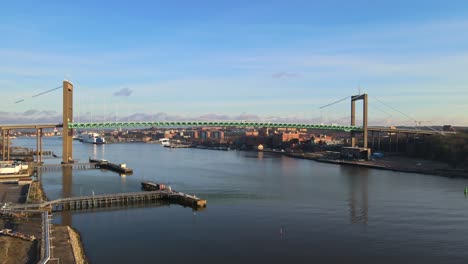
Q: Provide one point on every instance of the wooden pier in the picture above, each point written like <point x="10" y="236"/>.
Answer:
<point x="118" y="199"/>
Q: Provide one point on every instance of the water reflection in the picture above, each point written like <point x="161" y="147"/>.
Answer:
<point x="67" y="191"/>
<point x="358" y="193"/>
<point x="98" y="151"/>
<point x="260" y="155"/>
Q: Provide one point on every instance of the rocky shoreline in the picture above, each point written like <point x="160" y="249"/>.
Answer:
<point x="77" y="246"/>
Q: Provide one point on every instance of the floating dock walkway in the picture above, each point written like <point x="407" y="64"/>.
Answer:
<point x="92" y="164"/>
<point x="118" y="199"/>
<point x="75" y="166"/>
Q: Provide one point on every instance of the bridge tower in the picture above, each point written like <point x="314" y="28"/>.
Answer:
<point x="67" y="134"/>
<point x="355" y="98"/>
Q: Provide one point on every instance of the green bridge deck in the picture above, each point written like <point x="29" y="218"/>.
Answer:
<point x="180" y="124"/>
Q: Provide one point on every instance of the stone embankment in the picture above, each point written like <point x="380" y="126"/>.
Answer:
<point x="77" y="246"/>
<point x="392" y="163"/>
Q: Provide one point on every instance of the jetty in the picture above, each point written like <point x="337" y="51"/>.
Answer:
<point x="110" y="200"/>
<point x="104" y="164"/>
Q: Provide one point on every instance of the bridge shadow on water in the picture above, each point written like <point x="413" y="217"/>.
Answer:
<point x="358" y="193"/>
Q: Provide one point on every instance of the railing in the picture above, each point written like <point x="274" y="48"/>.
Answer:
<point x="45" y="248"/>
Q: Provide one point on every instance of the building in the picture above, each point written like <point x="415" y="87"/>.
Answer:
<point x="280" y="138"/>
<point x="192" y="134"/>
<point x="205" y="135"/>
<point x="217" y="135"/>
<point x="355" y="153"/>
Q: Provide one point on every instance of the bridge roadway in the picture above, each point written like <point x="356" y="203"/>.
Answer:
<point x="109" y="200"/>
<point x="91" y="125"/>
<point x="209" y="124"/>
<point x="244" y="124"/>
<point x="404" y="131"/>
<point x="29" y="126"/>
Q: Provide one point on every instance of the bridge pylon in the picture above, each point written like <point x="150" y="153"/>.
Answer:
<point x="355" y="98"/>
<point x="67" y="134"/>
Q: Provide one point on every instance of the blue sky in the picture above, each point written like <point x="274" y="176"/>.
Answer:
<point x="272" y="60"/>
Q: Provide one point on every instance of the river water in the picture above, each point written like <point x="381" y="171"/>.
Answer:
<point x="262" y="208"/>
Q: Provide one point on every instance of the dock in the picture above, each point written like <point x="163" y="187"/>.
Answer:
<point x="92" y="164"/>
<point x="104" y="164"/>
<point x="118" y="199"/>
<point x="58" y="167"/>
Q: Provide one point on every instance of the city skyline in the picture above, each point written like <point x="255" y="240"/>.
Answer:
<point x="265" y="60"/>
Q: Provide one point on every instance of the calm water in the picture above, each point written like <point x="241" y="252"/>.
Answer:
<point x="263" y="208"/>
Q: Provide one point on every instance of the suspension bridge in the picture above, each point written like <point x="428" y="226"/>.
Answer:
<point x="68" y="125"/>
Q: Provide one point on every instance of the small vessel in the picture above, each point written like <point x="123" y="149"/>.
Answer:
<point x="12" y="167"/>
<point x="152" y="186"/>
<point x="165" y="142"/>
<point x="93" y="138"/>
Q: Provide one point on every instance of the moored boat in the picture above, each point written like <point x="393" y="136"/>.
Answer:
<point x="165" y="142"/>
<point x="12" y="167"/>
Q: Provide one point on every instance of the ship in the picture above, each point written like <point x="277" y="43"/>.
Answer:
<point x="152" y="186"/>
<point x="165" y="142"/>
<point x="93" y="138"/>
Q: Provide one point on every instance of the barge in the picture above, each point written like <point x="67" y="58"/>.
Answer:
<point x="104" y="164"/>
<point x="152" y="186"/>
<point x="173" y="196"/>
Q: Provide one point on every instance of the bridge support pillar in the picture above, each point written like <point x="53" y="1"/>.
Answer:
<point x="355" y="98"/>
<point x="67" y="133"/>
<point x="353" y="122"/>
<point x="8" y="147"/>
<point x="6" y="144"/>
<point x="4" y="140"/>
<point x="39" y="145"/>
<point x="364" y="119"/>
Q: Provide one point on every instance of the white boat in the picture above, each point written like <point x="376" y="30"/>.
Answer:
<point x="93" y="138"/>
<point x="165" y="142"/>
<point x="10" y="167"/>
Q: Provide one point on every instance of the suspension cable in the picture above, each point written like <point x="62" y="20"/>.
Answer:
<point x="36" y="95"/>
<point x="406" y="115"/>
<point x="335" y="102"/>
